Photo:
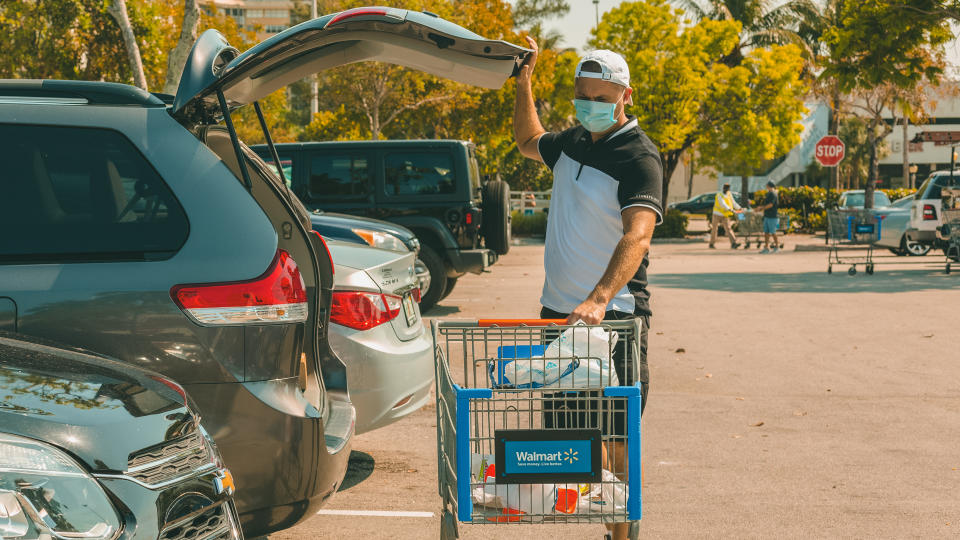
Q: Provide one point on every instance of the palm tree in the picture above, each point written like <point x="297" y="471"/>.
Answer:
<point x="764" y="23"/>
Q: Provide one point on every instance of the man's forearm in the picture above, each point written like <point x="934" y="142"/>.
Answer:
<point x="623" y="265"/>
<point x="526" y="123"/>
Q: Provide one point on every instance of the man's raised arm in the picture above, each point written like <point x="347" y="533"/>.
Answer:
<point x="527" y="128"/>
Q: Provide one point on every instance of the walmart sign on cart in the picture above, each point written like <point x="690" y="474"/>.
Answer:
<point x="555" y="456"/>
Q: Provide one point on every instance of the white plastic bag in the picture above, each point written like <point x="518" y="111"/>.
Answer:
<point x="579" y="358"/>
<point x="527" y="498"/>
<point x="592" y="349"/>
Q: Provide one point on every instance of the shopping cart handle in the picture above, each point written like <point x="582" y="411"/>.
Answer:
<point x="520" y="322"/>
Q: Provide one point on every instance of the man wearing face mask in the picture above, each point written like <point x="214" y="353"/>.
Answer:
<point x="606" y="201"/>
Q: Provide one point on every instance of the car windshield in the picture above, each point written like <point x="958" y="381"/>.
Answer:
<point x="855" y="200"/>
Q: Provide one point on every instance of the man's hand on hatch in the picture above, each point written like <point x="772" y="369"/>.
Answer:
<point x="526" y="68"/>
<point x="590" y="312"/>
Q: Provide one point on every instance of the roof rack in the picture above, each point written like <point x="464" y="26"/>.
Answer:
<point x="94" y="92"/>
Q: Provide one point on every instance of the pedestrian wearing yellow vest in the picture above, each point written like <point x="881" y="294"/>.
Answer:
<point x="725" y="207"/>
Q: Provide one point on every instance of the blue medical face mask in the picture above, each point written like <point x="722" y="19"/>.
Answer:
<point x="596" y="116"/>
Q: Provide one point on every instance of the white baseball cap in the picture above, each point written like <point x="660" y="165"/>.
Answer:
<point x="613" y="67"/>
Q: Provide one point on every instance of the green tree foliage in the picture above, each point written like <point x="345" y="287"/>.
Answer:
<point x="760" y="104"/>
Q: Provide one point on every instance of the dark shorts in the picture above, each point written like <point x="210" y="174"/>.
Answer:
<point x="588" y="409"/>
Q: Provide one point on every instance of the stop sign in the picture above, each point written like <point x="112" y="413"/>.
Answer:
<point x="829" y="151"/>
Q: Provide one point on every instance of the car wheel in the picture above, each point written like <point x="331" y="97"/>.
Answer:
<point x="438" y="278"/>
<point x="451" y="282"/>
<point x="913" y="249"/>
<point x="496" y="216"/>
<point x="423" y="275"/>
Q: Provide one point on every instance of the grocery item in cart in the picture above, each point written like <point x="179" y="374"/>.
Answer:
<point x="579" y="358"/>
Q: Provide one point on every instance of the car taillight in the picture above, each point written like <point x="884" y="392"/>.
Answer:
<point x="363" y="310"/>
<point x="471" y="217"/>
<point x="929" y="213"/>
<point x="333" y="269"/>
<point x="416" y="295"/>
<point x="278" y="296"/>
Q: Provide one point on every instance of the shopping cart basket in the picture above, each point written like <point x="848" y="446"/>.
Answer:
<point x="949" y="232"/>
<point x="549" y="450"/>
<point x="750" y="228"/>
<point x="852" y="234"/>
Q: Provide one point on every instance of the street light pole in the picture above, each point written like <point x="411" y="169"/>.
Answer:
<point x="314" y="88"/>
<point x="596" y="11"/>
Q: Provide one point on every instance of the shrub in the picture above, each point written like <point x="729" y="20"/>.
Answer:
<point x="898" y="193"/>
<point x="674" y="225"/>
<point x="529" y="225"/>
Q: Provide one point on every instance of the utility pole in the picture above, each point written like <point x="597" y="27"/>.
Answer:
<point x="314" y="88"/>
<point x="596" y="10"/>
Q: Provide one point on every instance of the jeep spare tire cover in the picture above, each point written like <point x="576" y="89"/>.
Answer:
<point x="496" y="216"/>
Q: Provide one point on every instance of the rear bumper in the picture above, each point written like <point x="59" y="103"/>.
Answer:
<point x="923" y="237"/>
<point x="388" y="379"/>
<point x="474" y="261"/>
<point x="275" y="449"/>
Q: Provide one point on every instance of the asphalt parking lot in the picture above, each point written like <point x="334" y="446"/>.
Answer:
<point x="785" y="403"/>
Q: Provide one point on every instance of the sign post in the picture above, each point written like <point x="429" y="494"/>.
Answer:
<point x="829" y="151"/>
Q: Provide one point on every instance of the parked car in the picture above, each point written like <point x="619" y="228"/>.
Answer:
<point x="374" y="233"/>
<point x="127" y="240"/>
<point x="98" y="449"/>
<point x="700" y="204"/>
<point x="927" y="208"/>
<point x="376" y="329"/>
<point x="895" y="220"/>
<point x="432" y="187"/>
<point x="854" y="198"/>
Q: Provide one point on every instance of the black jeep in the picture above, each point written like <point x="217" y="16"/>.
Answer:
<point x="432" y="187"/>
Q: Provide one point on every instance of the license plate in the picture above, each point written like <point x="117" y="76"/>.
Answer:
<point x="408" y="309"/>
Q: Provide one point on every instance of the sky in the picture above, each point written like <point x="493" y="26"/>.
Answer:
<point x="575" y="27"/>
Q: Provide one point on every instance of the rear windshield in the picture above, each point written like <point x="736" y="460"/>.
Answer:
<point x="932" y="188"/>
<point x="855" y="200"/>
<point x="82" y="194"/>
<point x="419" y="173"/>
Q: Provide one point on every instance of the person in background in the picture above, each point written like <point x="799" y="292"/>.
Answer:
<point x="725" y="207"/>
<point x="770" y="219"/>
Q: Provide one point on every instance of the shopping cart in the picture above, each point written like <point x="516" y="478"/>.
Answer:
<point x="949" y="232"/>
<point x="499" y="442"/>
<point x="750" y="228"/>
<point x="851" y="234"/>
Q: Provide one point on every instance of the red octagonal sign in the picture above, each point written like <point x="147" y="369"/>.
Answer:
<point x="829" y="151"/>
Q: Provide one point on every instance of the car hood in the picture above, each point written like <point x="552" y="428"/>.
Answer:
<point x="98" y="409"/>
<point x="412" y="39"/>
<point x="347" y="222"/>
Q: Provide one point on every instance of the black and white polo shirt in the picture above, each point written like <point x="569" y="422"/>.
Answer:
<point x="592" y="183"/>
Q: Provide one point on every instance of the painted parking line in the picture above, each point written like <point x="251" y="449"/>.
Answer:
<point x="375" y="513"/>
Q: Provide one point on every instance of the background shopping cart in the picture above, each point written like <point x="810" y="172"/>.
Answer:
<point x="482" y="420"/>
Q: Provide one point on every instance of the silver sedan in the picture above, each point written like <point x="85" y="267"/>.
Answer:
<point x="377" y="331"/>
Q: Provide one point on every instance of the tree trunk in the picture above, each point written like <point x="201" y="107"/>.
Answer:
<point x="833" y="128"/>
<point x="314" y="86"/>
<point x="118" y="10"/>
<point x="670" y="161"/>
<point x="906" y="152"/>
<point x="178" y="56"/>
<point x="744" y="191"/>
<point x="375" y="123"/>
<point x="873" y="174"/>
<point x="690" y="177"/>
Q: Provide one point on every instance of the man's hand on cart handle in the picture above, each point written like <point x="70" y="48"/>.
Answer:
<point x="590" y="312"/>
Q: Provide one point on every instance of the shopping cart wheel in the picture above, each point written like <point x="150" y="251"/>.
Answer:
<point x="830" y="269"/>
<point x="448" y="526"/>
<point x="634" y="533"/>
<point x="869" y="269"/>
<point x="852" y="271"/>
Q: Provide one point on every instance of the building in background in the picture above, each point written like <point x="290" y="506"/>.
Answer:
<point x="265" y="17"/>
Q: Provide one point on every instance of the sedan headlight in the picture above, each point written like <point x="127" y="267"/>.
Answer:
<point x="381" y="240"/>
<point x="44" y="493"/>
